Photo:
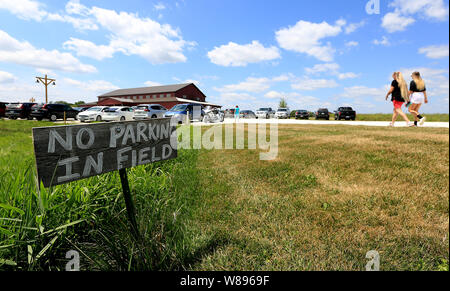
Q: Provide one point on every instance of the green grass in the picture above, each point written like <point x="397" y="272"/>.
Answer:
<point x="333" y="194"/>
<point x="38" y="228"/>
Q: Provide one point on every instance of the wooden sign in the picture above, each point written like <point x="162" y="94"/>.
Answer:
<point x="70" y="153"/>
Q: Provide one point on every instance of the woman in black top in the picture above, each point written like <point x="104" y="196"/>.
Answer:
<point x="418" y="93"/>
<point x="399" y="92"/>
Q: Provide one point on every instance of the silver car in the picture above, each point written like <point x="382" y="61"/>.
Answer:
<point x="148" y="111"/>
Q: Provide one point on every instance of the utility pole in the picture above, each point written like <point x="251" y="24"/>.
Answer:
<point x="46" y="81"/>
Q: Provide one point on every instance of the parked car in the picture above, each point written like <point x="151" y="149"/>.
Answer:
<point x="346" y="113"/>
<point x="3" y="109"/>
<point x="302" y="114"/>
<point x="80" y="109"/>
<point x="266" y="113"/>
<point x="323" y="113"/>
<point x="229" y="113"/>
<point x="247" y="114"/>
<point x="118" y="113"/>
<point x="179" y="113"/>
<point x="19" y="110"/>
<point x="283" y="113"/>
<point x="147" y="111"/>
<point x="53" y="112"/>
<point x="92" y="114"/>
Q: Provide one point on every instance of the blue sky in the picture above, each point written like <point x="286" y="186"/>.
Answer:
<point x="251" y="53"/>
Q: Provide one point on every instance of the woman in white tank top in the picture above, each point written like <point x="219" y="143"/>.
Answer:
<point x="418" y="96"/>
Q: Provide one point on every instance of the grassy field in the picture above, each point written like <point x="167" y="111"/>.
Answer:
<point x="333" y="194"/>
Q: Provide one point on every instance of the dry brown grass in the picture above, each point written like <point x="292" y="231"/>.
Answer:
<point x="333" y="194"/>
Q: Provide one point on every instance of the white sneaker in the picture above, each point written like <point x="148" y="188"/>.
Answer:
<point x="422" y="121"/>
<point x="411" y="124"/>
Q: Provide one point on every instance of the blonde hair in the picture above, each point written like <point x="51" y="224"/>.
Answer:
<point x="402" y="85"/>
<point x="420" y="84"/>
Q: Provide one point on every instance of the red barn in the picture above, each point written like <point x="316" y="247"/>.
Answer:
<point x="167" y="96"/>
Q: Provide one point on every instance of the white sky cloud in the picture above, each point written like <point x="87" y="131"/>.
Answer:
<point x="251" y="84"/>
<point x="383" y="41"/>
<point x="435" y="52"/>
<point x="24" y="9"/>
<point x="433" y="9"/>
<point x="89" y="49"/>
<point x="237" y="55"/>
<point x="96" y="86"/>
<point x="307" y="84"/>
<point x="332" y="69"/>
<point x="405" y="12"/>
<point x="159" y="6"/>
<point x="351" y="43"/>
<point x="352" y="27"/>
<point x="394" y="22"/>
<point x="152" y="84"/>
<point x="306" y="37"/>
<point x="23" y="53"/>
<point x="6" y="77"/>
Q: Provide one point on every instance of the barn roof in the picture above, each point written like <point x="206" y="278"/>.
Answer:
<point x="146" y="90"/>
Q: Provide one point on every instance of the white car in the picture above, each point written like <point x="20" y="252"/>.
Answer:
<point x="283" y="113"/>
<point x="265" y="113"/>
<point x="147" y="111"/>
<point x="118" y="113"/>
<point x="92" y="114"/>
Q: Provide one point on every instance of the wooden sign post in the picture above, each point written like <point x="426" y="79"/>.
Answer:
<point x="69" y="153"/>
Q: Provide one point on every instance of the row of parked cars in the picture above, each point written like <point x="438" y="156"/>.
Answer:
<point x="342" y="113"/>
<point x="54" y="112"/>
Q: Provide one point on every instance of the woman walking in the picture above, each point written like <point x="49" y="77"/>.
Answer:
<point x="418" y="93"/>
<point x="399" y="92"/>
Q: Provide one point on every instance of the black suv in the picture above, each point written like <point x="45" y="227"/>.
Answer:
<point x="302" y="114"/>
<point x="19" y="110"/>
<point x="53" y="111"/>
<point x="2" y="109"/>
<point x="323" y="113"/>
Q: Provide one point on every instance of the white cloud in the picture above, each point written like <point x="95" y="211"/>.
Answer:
<point x="96" y="86"/>
<point x="159" y="6"/>
<point x="351" y="43"/>
<point x="352" y="27"/>
<point x="6" y="77"/>
<point x="308" y="84"/>
<point x="363" y="92"/>
<point x="433" y="9"/>
<point x="253" y="85"/>
<point x="23" y="53"/>
<point x="34" y="10"/>
<point x="394" y="22"/>
<point x="405" y="11"/>
<point x="306" y="37"/>
<point x="152" y="84"/>
<point x="89" y="49"/>
<point x="237" y="55"/>
<point x="24" y="9"/>
<point x="78" y="23"/>
<point x="435" y="52"/>
<point x="383" y="41"/>
<point x="332" y="68"/>
<point x="349" y="75"/>
<point x="132" y="35"/>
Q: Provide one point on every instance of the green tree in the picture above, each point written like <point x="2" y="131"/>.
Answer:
<point x="79" y="103"/>
<point x="283" y="103"/>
